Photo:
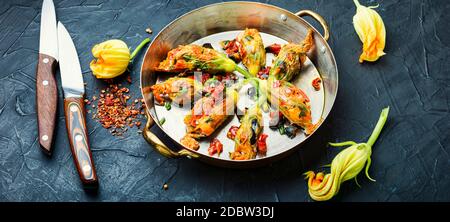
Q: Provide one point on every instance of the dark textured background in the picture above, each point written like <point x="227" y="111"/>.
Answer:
<point x="411" y="159"/>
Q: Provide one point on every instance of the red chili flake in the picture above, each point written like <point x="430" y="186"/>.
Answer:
<point x="274" y="48"/>
<point x="215" y="147"/>
<point x="113" y="110"/>
<point x="264" y="73"/>
<point x="231" y="134"/>
<point x="316" y="83"/>
<point x="109" y="101"/>
<point x="261" y="144"/>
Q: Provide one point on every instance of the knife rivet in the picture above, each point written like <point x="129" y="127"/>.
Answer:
<point x="86" y="169"/>
<point x="44" y="137"/>
<point x="73" y="108"/>
<point x="78" y="137"/>
<point x="45" y="60"/>
<point x="283" y="17"/>
<point x="45" y="82"/>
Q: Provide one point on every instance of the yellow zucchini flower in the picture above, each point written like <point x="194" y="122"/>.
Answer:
<point x="370" y="28"/>
<point x="112" y="58"/>
<point x="345" y="166"/>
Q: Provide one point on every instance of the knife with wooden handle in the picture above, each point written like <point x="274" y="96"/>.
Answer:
<point x="73" y="87"/>
<point x="79" y="143"/>
<point x="46" y="89"/>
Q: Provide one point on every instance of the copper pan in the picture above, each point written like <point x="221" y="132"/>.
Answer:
<point x="224" y="17"/>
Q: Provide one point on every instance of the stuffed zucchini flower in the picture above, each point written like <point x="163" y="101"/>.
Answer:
<point x="247" y="135"/>
<point x="195" y="57"/>
<point x="291" y="58"/>
<point x="251" y="50"/>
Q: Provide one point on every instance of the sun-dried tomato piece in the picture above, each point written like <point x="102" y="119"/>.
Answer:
<point x="215" y="147"/>
<point x="316" y="83"/>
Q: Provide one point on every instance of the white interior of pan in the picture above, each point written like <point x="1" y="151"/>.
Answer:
<point x="276" y="143"/>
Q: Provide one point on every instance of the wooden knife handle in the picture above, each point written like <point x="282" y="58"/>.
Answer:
<point x="79" y="144"/>
<point x="46" y="100"/>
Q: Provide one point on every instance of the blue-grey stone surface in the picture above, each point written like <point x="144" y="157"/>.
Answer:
<point x="411" y="159"/>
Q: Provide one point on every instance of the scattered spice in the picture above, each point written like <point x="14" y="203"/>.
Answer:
<point x="316" y="83"/>
<point x="215" y="147"/>
<point x="113" y="110"/>
<point x="148" y="30"/>
<point x="165" y="186"/>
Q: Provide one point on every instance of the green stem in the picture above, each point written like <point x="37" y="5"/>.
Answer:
<point x="347" y="143"/>
<point x="376" y="132"/>
<point x="139" y="47"/>
<point x="243" y="72"/>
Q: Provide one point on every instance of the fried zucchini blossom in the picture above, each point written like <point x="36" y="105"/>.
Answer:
<point x="251" y="50"/>
<point x="207" y="115"/>
<point x="291" y="101"/>
<point x="247" y="134"/>
<point x="291" y="58"/>
<point x="345" y="166"/>
<point x="194" y="57"/>
<point x="180" y="90"/>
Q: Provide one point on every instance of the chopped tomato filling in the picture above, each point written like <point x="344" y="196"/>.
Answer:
<point x="215" y="147"/>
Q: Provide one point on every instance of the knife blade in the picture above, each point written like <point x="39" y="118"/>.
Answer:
<point x="46" y="89"/>
<point x="73" y="87"/>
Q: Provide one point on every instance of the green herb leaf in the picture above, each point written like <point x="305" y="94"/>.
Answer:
<point x="168" y="106"/>
<point x="281" y="129"/>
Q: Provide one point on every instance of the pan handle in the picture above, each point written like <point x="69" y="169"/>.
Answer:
<point x="159" y="146"/>
<point x="319" y="18"/>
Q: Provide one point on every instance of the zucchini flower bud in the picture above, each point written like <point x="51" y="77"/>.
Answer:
<point x="371" y="31"/>
<point x="112" y="58"/>
<point x="345" y="166"/>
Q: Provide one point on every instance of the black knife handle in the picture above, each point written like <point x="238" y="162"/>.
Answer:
<point x="46" y="100"/>
<point x="79" y="143"/>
